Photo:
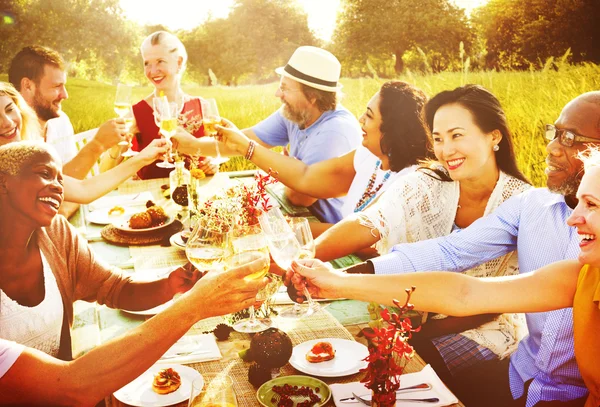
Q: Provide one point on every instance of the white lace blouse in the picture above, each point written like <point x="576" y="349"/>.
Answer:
<point x="37" y="327"/>
<point x="419" y="207"/>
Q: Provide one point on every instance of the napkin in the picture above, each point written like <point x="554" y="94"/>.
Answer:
<point x="109" y="201"/>
<point x="427" y="375"/>
<point x="192" y="349"/>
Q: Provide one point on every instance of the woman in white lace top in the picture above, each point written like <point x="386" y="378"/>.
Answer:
<point x="475" y="171"/>
<point x="394" y="140"/>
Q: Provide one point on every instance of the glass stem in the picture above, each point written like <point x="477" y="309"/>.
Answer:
<point x="252" y="317"/>
<point x="311" y="302"/>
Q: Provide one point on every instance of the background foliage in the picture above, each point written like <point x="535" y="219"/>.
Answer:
<point x="377" y="38"/>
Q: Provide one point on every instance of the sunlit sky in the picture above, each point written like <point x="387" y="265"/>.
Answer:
<point x="187" y="14"/>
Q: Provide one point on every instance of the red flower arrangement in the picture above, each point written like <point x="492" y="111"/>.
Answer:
<point x="254" y="198"/>
<point x="389" y="351"/>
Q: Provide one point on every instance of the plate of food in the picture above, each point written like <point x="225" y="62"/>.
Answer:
<point x="161" y="385"/>
<point x="106" y="216"/>
<point x="153" y="218"/>
<point x="329" y="357"/>
<point x="297" y="388"/>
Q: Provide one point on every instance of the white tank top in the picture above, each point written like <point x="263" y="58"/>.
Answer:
<point x="37" y="327"/>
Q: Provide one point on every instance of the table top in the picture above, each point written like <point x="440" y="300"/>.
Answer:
<point x="95" y="324"/>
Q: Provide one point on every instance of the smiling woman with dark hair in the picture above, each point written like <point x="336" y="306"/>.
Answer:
<point x="46" y="267"/>
<point x="474" y="172"/>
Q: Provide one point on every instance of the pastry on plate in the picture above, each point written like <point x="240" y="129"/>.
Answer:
<point x="320" y="352"/>
<point x="166" y="381"/>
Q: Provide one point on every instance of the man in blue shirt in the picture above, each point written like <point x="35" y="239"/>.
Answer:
<point x="542" y="371"/>
<point x="310" y="120"/>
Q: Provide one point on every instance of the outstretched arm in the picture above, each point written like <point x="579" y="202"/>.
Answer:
<point x="38" y="379"/>
<point x="345" y="237"/>
<point x="548" y="288"/>
<point x="89" y="189"/>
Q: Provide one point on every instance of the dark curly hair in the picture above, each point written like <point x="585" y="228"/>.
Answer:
<point x="404" y="137"/>
<point x="488" y="116"/>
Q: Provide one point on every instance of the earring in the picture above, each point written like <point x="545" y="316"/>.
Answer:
<point x="496" y="147"/>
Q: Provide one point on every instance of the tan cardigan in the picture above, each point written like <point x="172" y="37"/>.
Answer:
<point x="79" y="273"/>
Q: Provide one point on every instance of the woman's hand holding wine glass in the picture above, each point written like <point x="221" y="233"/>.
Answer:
<point x="288" y="243"/>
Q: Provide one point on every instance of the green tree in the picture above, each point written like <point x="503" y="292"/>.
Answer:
<point x="257" y="36"/>
<point x="521" y="33"/>
<point x="92" y="35"/>
<point x="390" y="28"/>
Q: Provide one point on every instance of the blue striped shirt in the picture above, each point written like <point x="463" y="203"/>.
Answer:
<point x="534" y="223"/>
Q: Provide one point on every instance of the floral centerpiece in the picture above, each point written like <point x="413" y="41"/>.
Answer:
<point x="389" y="351"/>
<point x="235" y="208"/>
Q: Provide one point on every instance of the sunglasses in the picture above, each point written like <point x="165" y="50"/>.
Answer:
<point x="566" y="137"/>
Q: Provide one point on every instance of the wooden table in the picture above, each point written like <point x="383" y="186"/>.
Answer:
<point x="94" y="325"/>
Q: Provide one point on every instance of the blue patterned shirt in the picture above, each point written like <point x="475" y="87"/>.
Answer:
<point x="534" y="223"/>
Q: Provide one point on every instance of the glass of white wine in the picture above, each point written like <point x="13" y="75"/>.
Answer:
<point x="286" y="244"/>
<point x="209" y="248"/>
<point x="211" y="117"/>
<point x="165" y="115"/>
<point x="123" y="110"/>
<point x="249" y="243"/>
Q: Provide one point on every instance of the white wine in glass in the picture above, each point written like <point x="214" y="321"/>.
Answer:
<point x="249" y="244"/>
<point x="122" y="108"/>
<point x="208" y="249"/>
<point x="165" y="115"/>
<point x="211" y="117"/>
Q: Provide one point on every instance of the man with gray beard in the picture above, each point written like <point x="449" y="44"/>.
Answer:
<point x="310" y="120"/>
<point x="542" y="372"/>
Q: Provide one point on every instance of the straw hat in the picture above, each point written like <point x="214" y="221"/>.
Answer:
<point x="313" y="67"/>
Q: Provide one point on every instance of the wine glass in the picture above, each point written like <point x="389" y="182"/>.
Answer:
<point x="287" y="244"/>
<point x="301" y="229"/>
<point x="165" y="116"/>
<point x="213" y="390"/>
<point x="209" y="248"/>
<point x="249" y="243"/>
<point x="211" y="117"/>
<point x="122" y="108"/>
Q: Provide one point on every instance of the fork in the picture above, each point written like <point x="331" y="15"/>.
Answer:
<point x="410" y="389"/>
<point x="429" y="400"/>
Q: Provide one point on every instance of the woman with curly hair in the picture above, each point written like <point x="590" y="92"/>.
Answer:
<point x="394" y="140"/>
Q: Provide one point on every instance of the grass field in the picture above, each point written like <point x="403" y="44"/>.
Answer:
<point x="530" y="99"/>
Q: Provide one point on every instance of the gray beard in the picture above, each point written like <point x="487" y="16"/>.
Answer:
<point x="300" y="118"/>
<point x="567" y="188"/>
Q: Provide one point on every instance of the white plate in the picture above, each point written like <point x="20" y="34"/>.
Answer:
<point x="347" y="360"/>
<point x="139" y="392"/>
<point x="123" y="225"/>
<point x="102" y="217"/>
<point x="151" y="311"/>
<point x="177" y="241"/>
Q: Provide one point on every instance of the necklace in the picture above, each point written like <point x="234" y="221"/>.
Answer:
<point x="371" y="191"/>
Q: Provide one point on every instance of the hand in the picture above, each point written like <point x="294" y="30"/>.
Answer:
<point x="111" y="133"/>
<point x="321" y="280"/>
<point x="220" y="293"/>
<point x="153" y="151"/>
<point x="184" y="142"/>
<point x="207" y="166"/>
<point x="183" y="278"/>
<point x="232" y="137"/>
<point x="275" y="269"/>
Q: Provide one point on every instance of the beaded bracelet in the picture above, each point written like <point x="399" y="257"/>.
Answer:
<point x="250" y="151"/>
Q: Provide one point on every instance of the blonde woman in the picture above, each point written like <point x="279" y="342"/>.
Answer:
<point x="18" y="122"/>
<point x="165" y="59"/>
